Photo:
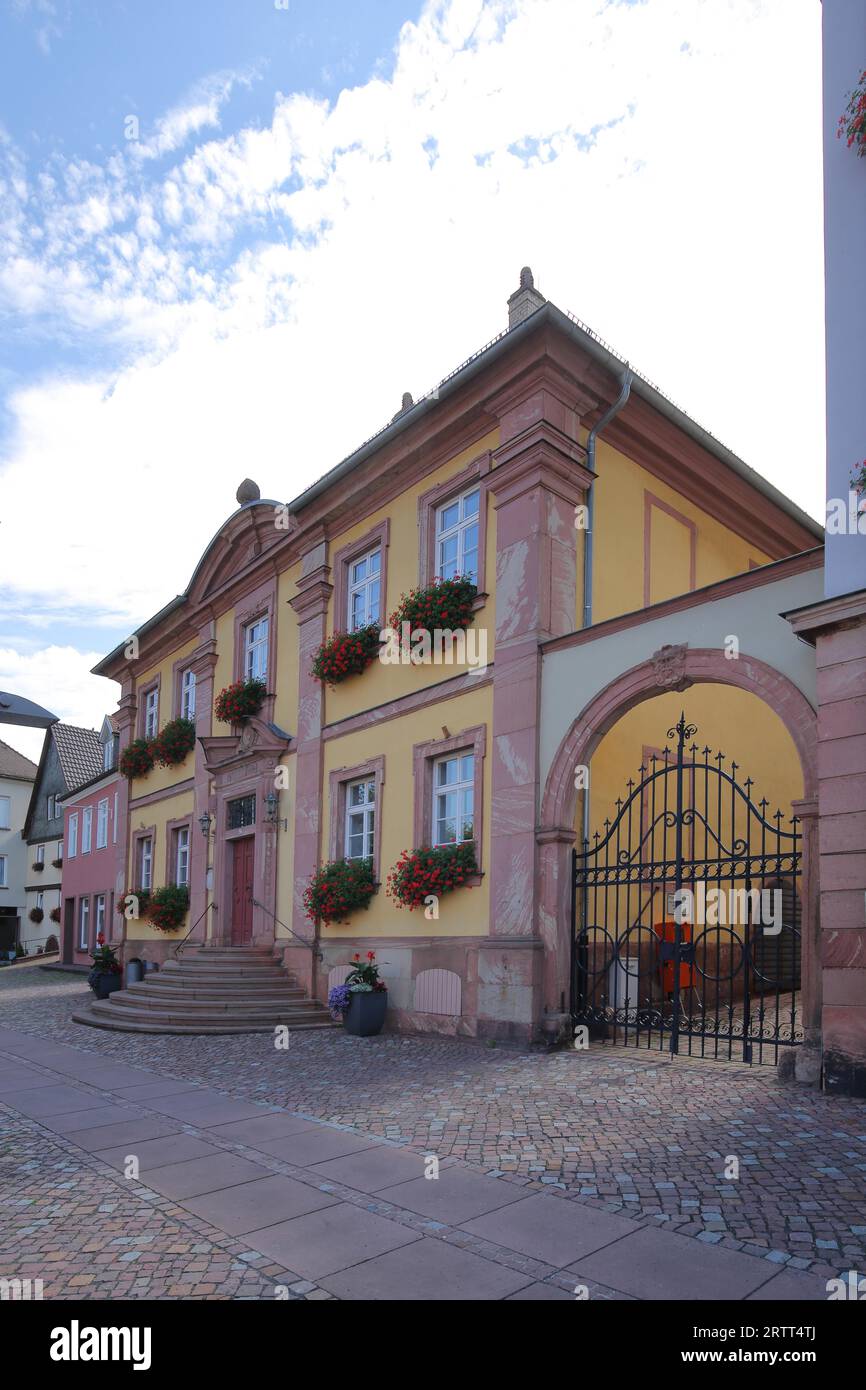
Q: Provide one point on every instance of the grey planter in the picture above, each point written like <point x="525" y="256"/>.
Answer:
<point x="104" y="982"/>
<point x="366" y="1013"/>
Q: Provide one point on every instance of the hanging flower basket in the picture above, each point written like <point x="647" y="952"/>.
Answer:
<point x="239" y="700"/>
<point x="858" y="479"/>
<point x="345" y="654"/>
<point x="446" y="604"/>
<point x="166" y="907"/>
<point x="338" y="889"/>
<point x="143" y="899"/>
<point x="136" y="760"/>
<point x="36" y="914"/>
<point x="427" y="872"/>
<point x="852" y="124"/>
<point x="173" y="743"/>
<point x="54" y="914"/>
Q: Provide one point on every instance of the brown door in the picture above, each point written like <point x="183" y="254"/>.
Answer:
<point x="242" y="890"/>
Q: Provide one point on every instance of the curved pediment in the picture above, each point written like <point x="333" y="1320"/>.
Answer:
<point x="239" y="544"/>
<point x="253" y="740"/>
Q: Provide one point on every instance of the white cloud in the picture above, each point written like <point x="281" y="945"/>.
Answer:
<point x="59" y="679"/>
<point x="268" y="294"/>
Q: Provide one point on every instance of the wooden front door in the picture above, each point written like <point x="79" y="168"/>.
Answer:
<point x="242" y="890"/>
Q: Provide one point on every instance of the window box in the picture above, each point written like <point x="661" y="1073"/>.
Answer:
<point x="57" y="863"/>
<point x="431" y="872"/>
<point x="173" y="743"/>
<point x="240" y="700"/>
<point x="137" y="759"/>
<point x="38" y="865"/>
<point x="345" y="654"/>
<point x="339" y="888"/>
<point x="446" y="605"/>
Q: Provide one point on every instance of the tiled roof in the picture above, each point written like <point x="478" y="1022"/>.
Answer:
<point x="79" y="751"/>
<point x="14" y="764"/>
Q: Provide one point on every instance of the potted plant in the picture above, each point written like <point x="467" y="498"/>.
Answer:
<point x="239" y="700"/>
<point x="852" y="124"/>
<point x="339" y="888"/>
<point x="137" y="759"/>
<point x="173" y="742"/>
<point x="431" y="871"/>
<point x="57" y="863"/>
<point x="36" y="915"/>
<point x="105" y="973"/>
<point x="54" y="914"/>
<point x="361" y="1001"/>
<point x="345" y="654"/>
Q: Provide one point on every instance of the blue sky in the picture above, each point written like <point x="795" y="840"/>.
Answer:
<point x="326" y="205"/>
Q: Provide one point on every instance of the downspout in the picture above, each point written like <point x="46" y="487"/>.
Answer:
<point x="624" y="393"/>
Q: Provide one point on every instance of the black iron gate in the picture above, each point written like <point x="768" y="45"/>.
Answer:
<point x="686" y="914"/>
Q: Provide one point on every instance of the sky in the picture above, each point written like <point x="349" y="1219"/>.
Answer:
<point x="234" y="232"/>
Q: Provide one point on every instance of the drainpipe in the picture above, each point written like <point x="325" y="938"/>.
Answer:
<point x="624" y="393"/>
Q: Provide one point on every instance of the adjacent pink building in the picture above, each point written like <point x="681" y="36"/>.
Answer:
<point x="91" y="828"/>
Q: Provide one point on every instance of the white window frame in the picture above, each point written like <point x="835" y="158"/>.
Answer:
<point x="87" y="830"/>
<point x="102" y="823"/>
<point x="40" y="899"/>
<point x="366" y="810"/>
<point x="463" y="788"/>
<point x="145" y="863"/>
<point x="256" y="639"/>
<point x="99" y="913"/>
<point x="187" y="694"/>
<point x="4" y="876"/>
<point x="363" y="588"/>
<point x="458" y="530"/>
<point x="151" y="712"/>
<point x="72" y="836"/>
<point x="40" y="854"/>
<point x="83" y="924"/>
<point x="114" y="822"/>
<point x="181" y="856"/>
<point x="5" y="815"/>
<point x="108" y="755"/>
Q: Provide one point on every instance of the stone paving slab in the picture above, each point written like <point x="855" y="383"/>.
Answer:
<point x="662" y="1265"/>
<point x="550" y="1230"/>
<point x="157" y="1153"/>
<point x="315" y="1146"/>
<point x="372" y="1169"/>
<point x="456" y="1196"/>
<point x="791" y="1285"/>
<point x="51" y="1100"/>
<point x="541" y="1293"/>
<point x="328" y="1240"/>
<point x="239" y="1210"/>
<point x="277" y="1125"/>
<point x="128" y="1132"/>
<point x="426" y="1271"/>
<point x="71" y="1121"/>
<point x="198" y="1175"/>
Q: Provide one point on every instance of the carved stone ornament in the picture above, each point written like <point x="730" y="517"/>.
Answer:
<point x="669" y="667"/>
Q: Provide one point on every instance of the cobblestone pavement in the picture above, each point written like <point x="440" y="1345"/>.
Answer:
<point x="629" y="1132"/>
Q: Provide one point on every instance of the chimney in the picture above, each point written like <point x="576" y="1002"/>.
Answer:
<point x="525" y="300"/>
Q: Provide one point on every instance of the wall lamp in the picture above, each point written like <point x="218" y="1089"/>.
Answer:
<point x="204" y="823"/>
<point x="272" y="807"/>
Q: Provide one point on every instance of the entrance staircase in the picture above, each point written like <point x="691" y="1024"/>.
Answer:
<point x="227" y="989"/>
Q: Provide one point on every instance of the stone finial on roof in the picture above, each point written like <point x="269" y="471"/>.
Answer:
<point x="525" y="300"/>
<point x="248" y="491"/>
<point x="407" y="404"/>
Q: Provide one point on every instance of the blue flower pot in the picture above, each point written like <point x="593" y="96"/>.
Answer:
<point x="366" y="1013"/>
<point x="104" y="982"/>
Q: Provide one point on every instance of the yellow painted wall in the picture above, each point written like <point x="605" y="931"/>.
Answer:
<point x="160" y="778"/>
<point x="618" y="560"/>
<point x="461" y="913"/>
<point x="286" y="851"/>
<point x="158" y="814"/>
<point x="380" y="683"/>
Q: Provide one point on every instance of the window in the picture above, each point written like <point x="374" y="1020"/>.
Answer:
<point x="72" y="836"/>
<point x="364" y="590"/>
<point x="54" y="807"/>
<point x="102" y="823"/>
<point x="99" y="913"/>
<point x="5" y="812"/>
<point x="145" y="863"/>
<point x="256" y="650"/>
<point x="83" y="924"/>
<point x="114" y="822"/>
<point x="454" y="799"/>
<point x="181" y="857"/>
<point x="109" y="753"/>
<point x="151" y="712"/>
<point x="40" y="901"/>
<point x="40" y="854"/>
<point x="4" y="881"/>
<point x="187" y="695"/>
<point x="360" y="819"/>
<point x="86" y="829"/>
<point x="457" y="536"/>
<point x="241" y="812"/>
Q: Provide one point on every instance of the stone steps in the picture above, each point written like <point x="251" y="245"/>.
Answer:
<point x="214" y="990"/>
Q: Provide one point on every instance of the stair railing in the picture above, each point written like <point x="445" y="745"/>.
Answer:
<point x="180" y="945"/>
<point x="310" y="945"/>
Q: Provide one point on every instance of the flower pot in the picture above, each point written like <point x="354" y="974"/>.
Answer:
<point x="366" y="1013"/>
<point x="104" y="982"/>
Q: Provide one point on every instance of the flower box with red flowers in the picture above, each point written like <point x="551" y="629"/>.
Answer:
<point x="431" y="872"/>
<point x="446" y="605"/>
<point x="338" y="889"/>
<point x="240" y="700"/>
<point x="173" y="743"/>
<point x="167" y="907"/>
<point x="136" y="760"/>
<point x="852" y="125"/>
<point x="345" y="654"/>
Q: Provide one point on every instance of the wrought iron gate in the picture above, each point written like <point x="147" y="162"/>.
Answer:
<point x="686" y="915"/>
